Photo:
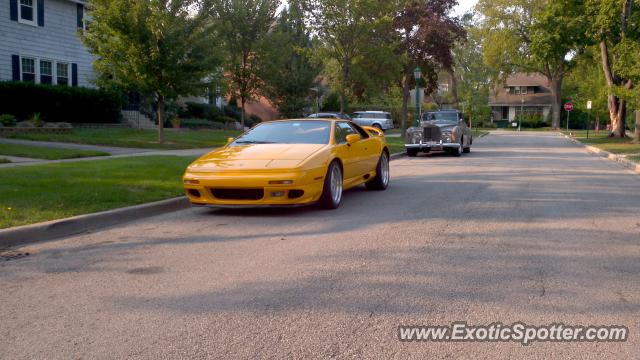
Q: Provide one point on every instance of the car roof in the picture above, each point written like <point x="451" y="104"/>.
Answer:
<point x="371" y="112"/>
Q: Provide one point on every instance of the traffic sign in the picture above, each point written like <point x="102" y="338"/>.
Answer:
<point x="568" y="107"/>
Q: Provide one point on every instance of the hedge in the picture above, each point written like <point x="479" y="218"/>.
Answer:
<point x="59" y="103"/>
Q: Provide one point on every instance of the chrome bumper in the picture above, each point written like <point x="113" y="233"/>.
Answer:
<point x="432" y="145"/>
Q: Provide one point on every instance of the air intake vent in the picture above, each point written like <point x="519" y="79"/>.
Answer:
<point x="238" y="194"/>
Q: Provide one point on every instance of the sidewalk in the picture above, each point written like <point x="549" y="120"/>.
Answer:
<point x="116" y="152"/>
<point x="50" y="144"/>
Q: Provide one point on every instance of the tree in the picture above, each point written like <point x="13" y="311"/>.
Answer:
<point x="534" y="36"/>
<point x="287" y="71"/>
<point x="616" y="27"/>
<point x="243" y="25"/>
<point x="586" y="82"/>
<point x="428" y="34"/>
<point x="348" y="30"/>
<point x="159" y="47"/>
<point x="472" y="75"/>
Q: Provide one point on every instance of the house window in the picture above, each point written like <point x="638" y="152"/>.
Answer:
<point x="27" y="11"/>
<point x="516" y="90"/>
<point x="523" y="90"/>
<point x="62" y="73"/>
<point x="46" y="72"/>
<point x="28" y="69"/>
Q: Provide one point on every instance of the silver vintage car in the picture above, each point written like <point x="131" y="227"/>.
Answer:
<point x="439" y="131"/>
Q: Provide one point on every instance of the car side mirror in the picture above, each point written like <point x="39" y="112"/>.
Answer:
<point x="230" y="140"/>
<point x="353" y="138"/>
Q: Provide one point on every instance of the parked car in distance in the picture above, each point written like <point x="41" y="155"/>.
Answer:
<point x="439" y="131"/>
<point x="378" y="119"/>
<point x="290" y="163"/>
<point x="329" y="115"/>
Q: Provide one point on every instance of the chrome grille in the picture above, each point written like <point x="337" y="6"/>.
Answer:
<point x="432" y="133"/>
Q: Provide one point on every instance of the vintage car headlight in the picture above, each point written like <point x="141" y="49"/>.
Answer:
<point x="416" y="137"/>
<point x="446" y="136"/>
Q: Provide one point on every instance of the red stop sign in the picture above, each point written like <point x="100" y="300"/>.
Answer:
<point x="568" y="107"/>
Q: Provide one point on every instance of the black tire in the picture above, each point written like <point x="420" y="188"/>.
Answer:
<point x="381" y="181"/>
<point x="459" y="150"/>
<point x="327" y="199"/>
<point x="412" y="152"/>
<point x="377" y="126"/>
<point x="467" y="149"/>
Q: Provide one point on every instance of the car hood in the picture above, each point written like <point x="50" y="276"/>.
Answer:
<point x="256" y="157"/>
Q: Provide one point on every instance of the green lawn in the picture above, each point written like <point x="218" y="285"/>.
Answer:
<point x="136" y="138"/>
<point x="36" y="193"/>
<point x="4" y="161"/>
<point x="635" y="158"/>
<point x="39" y="152"/>
<point x="602" y="141"/>
<point x="396" y="145"/>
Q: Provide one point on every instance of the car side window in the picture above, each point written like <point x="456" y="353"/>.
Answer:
<point x="342" y="130"/>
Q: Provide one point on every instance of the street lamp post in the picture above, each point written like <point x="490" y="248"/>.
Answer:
<point x="417" y="73"/>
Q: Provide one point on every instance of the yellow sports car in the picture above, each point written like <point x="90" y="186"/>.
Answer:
<point x="290" y="162"/>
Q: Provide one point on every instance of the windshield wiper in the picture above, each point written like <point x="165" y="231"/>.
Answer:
<point x="254" y="142"/>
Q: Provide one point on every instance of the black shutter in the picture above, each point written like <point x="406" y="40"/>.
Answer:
<point x="15" y="64"/>
<point x="80" y="15"/>
<point x="74" y="74"/>
<point x="13" y="9"/>
<point x="40" y="12"/>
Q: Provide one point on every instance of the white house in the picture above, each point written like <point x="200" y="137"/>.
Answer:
<point x="39" y="42"/>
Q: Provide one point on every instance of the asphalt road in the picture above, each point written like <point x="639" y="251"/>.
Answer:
<point x="526" y="228"/>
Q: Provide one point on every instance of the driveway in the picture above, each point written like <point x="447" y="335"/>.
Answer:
<point x="528" y="227"/>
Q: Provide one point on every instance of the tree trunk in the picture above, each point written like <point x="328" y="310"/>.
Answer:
<point x="556" y="105"/>
<point x="242" y="113"/>
<point x="454" y="86"/>
<point x="345" y="81"/>
<point x="160" y="115"/>
<point x="618" y="116"/>
<point x="636" y="135"/>
<point x="404" y="118"/>
<point x="617" y="106"/>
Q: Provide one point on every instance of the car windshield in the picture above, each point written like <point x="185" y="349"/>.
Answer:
<point x="441" y="117"/>
<point x="287" y="132"/>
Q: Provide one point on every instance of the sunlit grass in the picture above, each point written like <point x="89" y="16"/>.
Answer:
<point x="36" y="193"/>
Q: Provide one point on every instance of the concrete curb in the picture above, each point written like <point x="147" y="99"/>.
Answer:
<point x="620" y="159"/>
<point x="50" y="230"/>
<point x="397" y="156"/>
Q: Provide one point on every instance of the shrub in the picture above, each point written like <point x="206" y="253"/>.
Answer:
<point x="7" y="120"/>
<point x="532" y="121"/>
<point x="36" y="120"/>
<point x="25" y="124"/>
<point x="214" y="113"/>
<point x="232" y="112"/>
<point x="59" y="103"/>
<point x="194" y="110"/>
<point x="252" y="120"/>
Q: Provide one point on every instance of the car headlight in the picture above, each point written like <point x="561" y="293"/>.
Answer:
<point x="446" y="136"/>
<point x="416" y="137"/>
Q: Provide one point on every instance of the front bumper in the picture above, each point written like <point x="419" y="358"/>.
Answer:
<point x="432" y="146"/>
<point x="200" y="188"/>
